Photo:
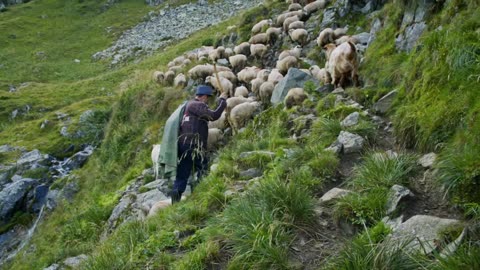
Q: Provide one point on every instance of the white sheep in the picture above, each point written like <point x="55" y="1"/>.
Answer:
<point x="228" y="75"/>
<point x="258" y="50"/>
<point x="180" y="81"/>
<point x="261" y="38"/>
<point x="159" y="206"/>
<point x="275" y="76"/>
<point x="241" y="113"/>
<point x="175" y="69"/>
<point x="241" y="91"/>
<point x="229" y="52"/>
<point x="242" y="48"/>
<point x="257" y="28"/>
<point x="295" y="96"/>
<point x="286" y="63"/>
<point x="295" y="51"/>
<point x="220" y="123"/>
<point x="231" y="103"/>
<point x="320" y="74"/>
<point x="247" y="74"/>
<point x="282" y="17"/>
<point x="186" y="62"/>
<point x="266" y="90"/>
<point x="299" y="35"/>
<point x="314" y="6"/>
<point x="238" y="61"/>
<point x="326" y="36"/>
<point x="169" y="77"/>
<point x="158" y="76"/>
<point x="192" y="56"/>
<point x="339" y="32"/>
<point x="155" y="156"/>
<point x="288" y="21"/>
<point x="255" y="85"/>
<point x="296" y="25"/>
<point x="263" y="74"/>
<point x="216" y="54"/>
<point x="200" y="72"/>
<point x="226" y="85"/>
<point x="215" y="135"/>
<point x="294" y="7"/>
<point x="344" y="39"/>
<point x="273" y="34"/>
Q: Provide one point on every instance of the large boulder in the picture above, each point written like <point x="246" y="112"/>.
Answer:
<point x="423" y="232"/>
<point x="385" y="103"/>
<point x="294" y="78"/>
<point x="13" y="197"/>
<point x="351" y="142"/>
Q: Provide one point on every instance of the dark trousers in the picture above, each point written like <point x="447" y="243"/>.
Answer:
<point x="189" y="159"/>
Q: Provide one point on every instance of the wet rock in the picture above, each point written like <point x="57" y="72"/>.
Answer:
<point x="39" y="197"/>
<point x="396" y="194"/>
<point x="13" y="197"/>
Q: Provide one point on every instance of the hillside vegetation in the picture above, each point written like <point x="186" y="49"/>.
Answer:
<point x="231" y="222"/>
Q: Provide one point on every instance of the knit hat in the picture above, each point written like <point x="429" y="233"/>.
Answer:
<point x="204" y="90"/>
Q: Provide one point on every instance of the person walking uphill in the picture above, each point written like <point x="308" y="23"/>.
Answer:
<point x="192" y="139"/>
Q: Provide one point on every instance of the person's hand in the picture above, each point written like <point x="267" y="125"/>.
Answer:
<point x="224" y="95"/>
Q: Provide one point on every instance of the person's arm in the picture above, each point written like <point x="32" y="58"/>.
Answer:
<point x="203" y="112"/>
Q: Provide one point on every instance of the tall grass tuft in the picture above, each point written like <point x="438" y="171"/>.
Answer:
<point x="383" y="170"/>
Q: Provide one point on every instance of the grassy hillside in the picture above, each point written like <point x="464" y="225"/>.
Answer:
<point x="436" y="110"/>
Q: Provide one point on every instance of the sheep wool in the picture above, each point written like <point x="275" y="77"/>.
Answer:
<point x="275" y="76"/>
<point x="169" y="77"/>
<point x="257" y="28"/>
<point x="180" y="81"/>
<point x="215" y="135"/>
<point x="241" y="113"/>
<point x="294" y="7"/>
<point x="295" y="96"/>
<point x="314" y="6"/>
<point x="266" y="90"/>
<point x="220" y="123"/>
<point x="241" y="91"/>
<point x="238" y="62"/>
<point x="158" y="77"/>
<point x="325" y="37"/>
<point x="273" y="34"/>
<point x="258" y="50"/>
<point x="261" y="38"/>
<point x="255" y="83"/>
<point x="300" y="36"/>
<point x="285" y="64"/>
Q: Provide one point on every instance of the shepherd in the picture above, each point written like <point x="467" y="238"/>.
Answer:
<point x="192" y="139"/>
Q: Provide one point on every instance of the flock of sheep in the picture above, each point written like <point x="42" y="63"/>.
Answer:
<point x="249" y="86"/>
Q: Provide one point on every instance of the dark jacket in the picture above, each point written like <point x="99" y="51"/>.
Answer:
<point x="194" y="125"/>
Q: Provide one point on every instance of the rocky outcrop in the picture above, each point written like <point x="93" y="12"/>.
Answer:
<point x="170" y="25"/>
<point x="294" y="78"/>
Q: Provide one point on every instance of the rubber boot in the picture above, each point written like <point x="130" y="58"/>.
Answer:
<point x="176" y="196"/>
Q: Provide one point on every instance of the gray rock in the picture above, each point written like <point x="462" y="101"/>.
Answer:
<point x="334" y="194"/>
<point x="155" y="184"/>
<point x="396" y="194"/>
<point x="427" y="160"/>
<point x="6" y="148"/>
<point x="336" y="148"/>
<point x="251" y="173"/>
<point x="363" y="38"/>
<point x="254" y="153"/>
<point x="351" y="120"/>
<point x="214" y="167"/>
<point x="13" y="195"/>
<point x="329" y="17"/>
<point x="376" y="26"/>
<point x="423" y="232"/>
<point x="78" y="159"/>
<point x="407" y="41"/>
<point x="118" y="211"/>
<point x="64" y="131"/>
<point x="74" y="262"/>
<point x="31" y="157"/>
<point x="39" y="197"/>
<point x="149" y="198"/>
<point x="351" y="142"/>
<point x="53" y="197"/>
<point x="294" y="78"/>
<point x="53" y="267"/>
<point x="384" y="104"/>
<point x="338" y="91"/>
<point x="325" y="89"/>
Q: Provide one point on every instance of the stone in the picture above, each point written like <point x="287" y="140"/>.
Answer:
<point x="39" y="197"/>
<point x="406" y="41"/>
<point x="363" y="38"/>
<point x="384" y="104"/>
<point x="351" y="120"/>
<point x="329" y="17"/>
<point x="155" y="184"/>
<point x="351" y="142"/>
<point x="251" y="173"/>
<point x="325" y="89"/>
<point x="336" y="148"/>
<point x="423" y="231"/>
<point x="74" y="262"/>
<point x="294" y="78"/>
<point x="214" y="167"/>
<point x="396" y="194"/>
<point x="6" y="148"/>
<point x="64" y="131"/>
<point x="12" y="197"/>
<point x="339" y="91"/>
<point x="427" y="160"/>
<point x="53" y="267"/>
<point x="149" y="198"/>
<point x="254" y="153"/>
<point x="78" y="159"/>
<point x="334" y="194"/>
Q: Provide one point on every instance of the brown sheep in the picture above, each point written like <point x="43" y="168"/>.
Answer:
<point x="343" y="64"/>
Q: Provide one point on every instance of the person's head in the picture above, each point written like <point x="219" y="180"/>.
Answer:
<point x="203" y="92"/>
